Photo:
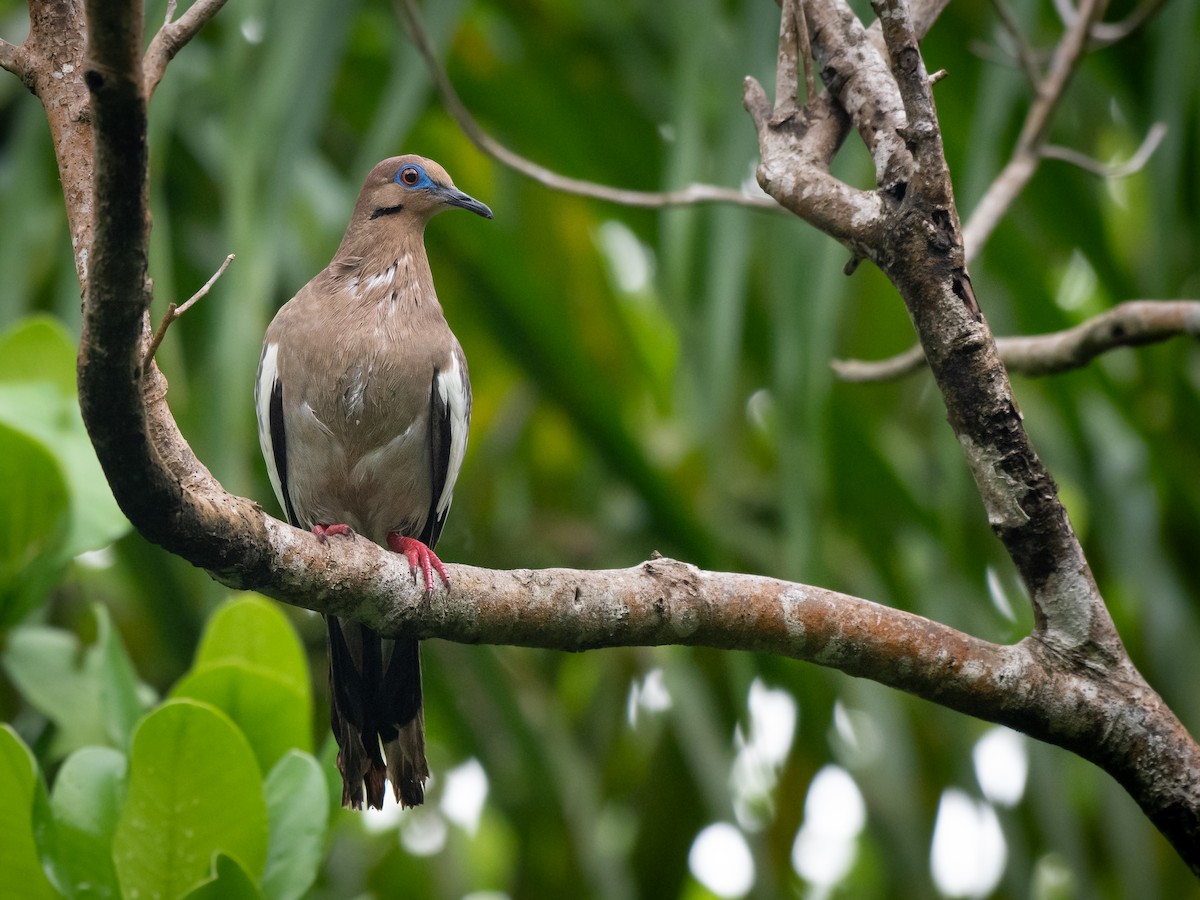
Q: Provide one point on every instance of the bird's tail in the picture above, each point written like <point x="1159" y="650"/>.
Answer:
<point x="375" y="711"/>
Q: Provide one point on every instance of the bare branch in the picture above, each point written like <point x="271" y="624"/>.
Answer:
<point x="688" y="196"/>
<point x="809" y="190"/>
<point x="1069" y="683"/>
<point x="806" y="55"/>
<point x="1102" y="34"/>
<point x="1023" y="51"/>
<point x="172" y="37"/>
<point x="891" y="369"/>
<point x="1130" y="324"/>
<point x="1024" y="161"/>
<point x="786" y="80"/>
<point x="175" y="311"/>
<point x="50" y="62"/>
<point x="1131" y="166"/>
<point x="857" y="73"/>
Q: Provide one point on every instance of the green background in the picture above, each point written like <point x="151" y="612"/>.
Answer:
<point x="692" y="411"/>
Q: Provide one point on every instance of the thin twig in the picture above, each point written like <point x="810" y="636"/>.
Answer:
<point x="690" y="195"/>
<point x="174" y="311"/>
<point x="1131" y="166"/>
<point x="1024" y="52"/>
<point x="1020" y="168"/>
<point x="1130" y="324"/>
<point x="1103" y="34"/>
<point x="172" y="37"/>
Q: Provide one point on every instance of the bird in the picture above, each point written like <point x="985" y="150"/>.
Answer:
<point x="363" y="403"/>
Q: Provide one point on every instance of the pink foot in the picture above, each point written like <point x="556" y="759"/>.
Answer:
<point x="419" y="556"/>
<point x="325" y="532"/>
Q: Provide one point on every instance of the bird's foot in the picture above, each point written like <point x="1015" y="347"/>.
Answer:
<point x="325" y="532"/>
<point x="419" y="557"/>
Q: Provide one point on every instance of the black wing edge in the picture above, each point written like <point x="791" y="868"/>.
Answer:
<point x="279" y="447"/>
<point x="439" y="461"/>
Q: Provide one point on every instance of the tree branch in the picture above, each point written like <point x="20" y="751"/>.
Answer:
<point x="687" y="196"/>
<point x="855" y="71"/>
<point x="1130" y="324"/>
<point x="51" y="59"/>
<point x="1069" y="683"/>
<point x="1102" y="34"/>
<point x="1023" y="51"/>
<point x="922" y="253"/>
<point x="1024" y="161"/>
<point x="1131" y="166"/>
<point x="172" y="37"/>
<point x="14" y="58"/>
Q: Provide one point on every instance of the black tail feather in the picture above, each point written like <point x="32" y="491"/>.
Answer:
<point x="376" y="712"/>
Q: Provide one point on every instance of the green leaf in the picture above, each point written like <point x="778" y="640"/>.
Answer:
<point x="250" y="628"/>
<point x="229" y="882"/>
<point x="92" y="697"/>
<point x="37" y="398"/>
<point x="23" y="877"/>
<point x="107" y="662"/>
<point x="39" y="349"/>
<point x="298" y="810"/>
<point x="271" y="712"/>
<point x="194" y="791"/>
<point x="86" y="803"/>
<point x="33" y="520"/>
<point x="251" y="665"/>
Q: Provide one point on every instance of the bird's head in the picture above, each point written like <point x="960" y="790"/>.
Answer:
<point x="413" y="188"/>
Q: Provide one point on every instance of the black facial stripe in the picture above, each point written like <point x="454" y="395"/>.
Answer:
<point x="387" y="210"/>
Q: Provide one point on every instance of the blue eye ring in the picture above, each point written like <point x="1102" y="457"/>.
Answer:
<point x="411" y="176"/>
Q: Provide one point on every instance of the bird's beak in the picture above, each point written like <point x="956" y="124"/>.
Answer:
<point x="452" y="196"/>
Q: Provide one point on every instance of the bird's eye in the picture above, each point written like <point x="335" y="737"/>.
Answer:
<point x="410" y="175"/>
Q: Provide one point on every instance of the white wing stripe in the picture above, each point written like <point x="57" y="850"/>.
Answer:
<point x="454" y="391"/>
<point x="264" y="386"/>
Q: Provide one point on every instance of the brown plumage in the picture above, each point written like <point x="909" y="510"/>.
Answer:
<point x="363" y="407"/>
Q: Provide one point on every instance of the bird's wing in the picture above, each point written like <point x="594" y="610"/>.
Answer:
<point x="268" y="401"/>
<point x="449" y="420"/>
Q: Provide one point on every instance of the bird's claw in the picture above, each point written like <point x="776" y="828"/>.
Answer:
<point x="419" y="556"/>
<point x="325" y="532"/>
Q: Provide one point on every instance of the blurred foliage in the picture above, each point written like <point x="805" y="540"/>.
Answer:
<point x="643" y="381"/>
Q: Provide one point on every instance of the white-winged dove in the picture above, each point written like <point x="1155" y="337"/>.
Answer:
<point x="363" y="407"/>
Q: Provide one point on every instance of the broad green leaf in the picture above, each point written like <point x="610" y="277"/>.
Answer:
<point x="39" y="349"/>
<point x="92" y="697"/>
<point x="194" y="791"/>
<point x="120" y="693"/>
<point x="20" y="865"/>
<point x="229" y="882"/>
<point x="272" y="713"/>
<point x="298" y="810"/>
<point x="251" y="629"/>
<point x="37" y="397"/>
<point x="45" y="665"/>
<point x="33" y="520"/>
<point x="86" y="803"/>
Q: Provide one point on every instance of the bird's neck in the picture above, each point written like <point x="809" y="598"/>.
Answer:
<point x="392" y="276"/>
